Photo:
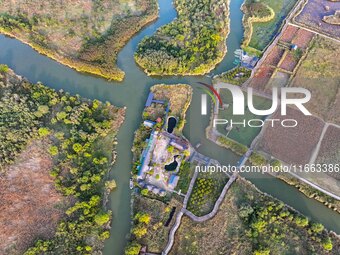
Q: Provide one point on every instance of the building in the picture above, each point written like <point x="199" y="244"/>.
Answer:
<point x="173" y="180"/>
<point x="149" y="123"/>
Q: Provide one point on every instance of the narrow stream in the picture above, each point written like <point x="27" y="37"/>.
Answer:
<point x="132" y="93"/>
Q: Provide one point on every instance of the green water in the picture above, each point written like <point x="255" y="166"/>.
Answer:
<point x="132" y="93"/>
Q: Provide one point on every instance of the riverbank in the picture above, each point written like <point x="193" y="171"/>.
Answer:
<point x="185" y="46"/>
<point x="60" y="152"/>
<point x="93" y="51"/>
<point x="246" y="214"/>
<point x="311" y="192"/>
<point x="262" y="20"/>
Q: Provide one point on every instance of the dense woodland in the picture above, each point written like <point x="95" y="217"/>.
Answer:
<point x="191" y="44"/>
<point x="81" y="135"/>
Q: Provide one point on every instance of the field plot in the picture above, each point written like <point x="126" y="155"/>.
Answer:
<point x="206" y="191"/>
<point x="261" y="78"/>
<point x="264" y="29"/>
<point x="274" y="56"/>
<point x="239" y="133"/>
<point x="319" y="73"/>
<point x="281" y="62"/>
<point x="30" y="204"/>
<point x="288" y="35"/>
<point x="314" y="14"/>
<point x="289" y="62"/>
<point x="329" y="152"/>
<point x="278" y="80"/>
<point x="292" y="145"/>
<point x="303" y="38"/>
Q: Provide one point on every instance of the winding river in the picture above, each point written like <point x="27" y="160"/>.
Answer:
<point x="132" y="93"/>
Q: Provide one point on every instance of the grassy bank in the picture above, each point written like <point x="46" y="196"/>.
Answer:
<point x="192" y="44"/>
<point x="86" y="37"/>
<point x="262" y="20"/>
<point x="311" y="192"/>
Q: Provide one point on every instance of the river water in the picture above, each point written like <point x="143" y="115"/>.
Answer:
<point x="132" y="93"/>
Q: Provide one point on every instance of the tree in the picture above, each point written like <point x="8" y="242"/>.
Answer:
<point x="143" y="217"/>
<point x="139" y="231"/>
<point x="53" y="150"/>
<point x="246" y="211"/>
<point x="43" y="131"/>
<point x="133" y="249"/>
<point x="262" y="252"/>
<point x="144" y="192"/>
<point x="3" y="68"/>
<point x="77" y="147"/>
<point x="327" y="244"/>
<point x="110" y="185"/>
<point x="170" y="149"/>
<point x="102" y="218"/>
<point x="301" y="221"/>
<point x="317" y="227"/>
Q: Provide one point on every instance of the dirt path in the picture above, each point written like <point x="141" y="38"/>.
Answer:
<point x="179" y="216"/>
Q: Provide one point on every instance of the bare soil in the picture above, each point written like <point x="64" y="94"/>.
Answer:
<point x="293" y="145"/>
<point x="30" y="205"/>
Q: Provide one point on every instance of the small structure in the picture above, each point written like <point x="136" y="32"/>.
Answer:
<point x="151" y="100"/>
<point x="146" y="156"/>
<point x="149" y="123"/>
<point x="162" y="193"/>
<point x="293" y="47"/>
<point x="245" y="60"/>
<point x="178" y="144"/>
<point x="155" y="190"/>
<point x="173" y="180"/>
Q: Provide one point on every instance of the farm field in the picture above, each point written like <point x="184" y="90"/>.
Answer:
<point x="279" y="80"/>
<point x="244" y="225"/>
<point x="274" y="57"/>
<point x="293" y="145"/>
<point x="206" y="191"/>
<point x="289" y="62"/>
<point x="281" y="62"/>
<point x="319" y="73"/>
<point x="314" y="13"/>
<point x="85" y="35"/>
<point x="239" y="133"/>
<point x="263" y="32"/>
<point x="330" y="149"/>
<point x="261" y="78"/>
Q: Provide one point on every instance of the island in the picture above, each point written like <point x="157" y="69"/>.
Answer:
<point x="84" y="35"/>
<point x="192" y="44"/>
